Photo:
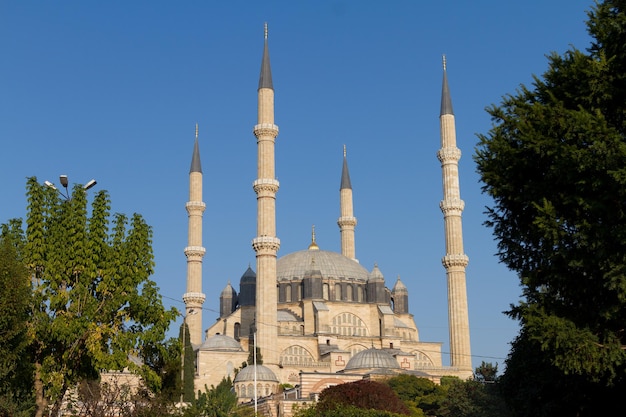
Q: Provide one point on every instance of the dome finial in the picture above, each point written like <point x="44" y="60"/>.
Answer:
<point x="313" y="245"/>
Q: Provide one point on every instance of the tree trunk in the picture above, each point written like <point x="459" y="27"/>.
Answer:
<point x="40" y="399"/>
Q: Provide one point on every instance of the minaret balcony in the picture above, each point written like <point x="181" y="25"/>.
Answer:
<point x="265" y="244"/>
<point x="265" y="129"/>
<point x="449" y="155"/>
<point x="195" y="252"/>
<point x="450" y="261"/>
<point x="346" y="221"/>
<point x="262" y="186"/>
<point x="194" y="298"/>
<point x="452" y="206"/>
<point x="195" y="205"/>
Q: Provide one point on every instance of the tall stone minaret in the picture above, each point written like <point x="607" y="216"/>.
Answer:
<point x="194" y="298"/>
<point x="347" y="221"/>
<point x="455" y="261"/>
<point x="266" y="244"/>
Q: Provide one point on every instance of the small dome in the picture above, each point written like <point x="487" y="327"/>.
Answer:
<point x="263" y="373"/>
<point x="329" y="264"/>
<point x="372" y="359"/>
<point x="221" y="342"/>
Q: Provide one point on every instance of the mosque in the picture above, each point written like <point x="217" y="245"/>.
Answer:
<point x="319" y="318"/>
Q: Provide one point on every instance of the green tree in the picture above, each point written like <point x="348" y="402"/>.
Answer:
<point x="486" y="372"/>
<point x="187" y="385"/>
<point x="220" y="401"/>
<point x="554" y="163"/>
<point x="363" y="394"/>
<point x="421" y="395"/>
<point x="93" y="301"/>
<point x="471" y="399"/>
<point x="15" y="372"/>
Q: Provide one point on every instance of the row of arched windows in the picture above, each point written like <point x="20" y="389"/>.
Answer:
<point x="244" y="390"/>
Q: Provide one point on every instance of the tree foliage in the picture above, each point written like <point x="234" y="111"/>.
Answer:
<point x="15" y="372"/>
<point x="187" y="384"/>
<point x="93" y="303"/>
<point x="420" y="395"/>
<point x="219" y="401"/>
<point x="554" y="163"/>
<point x="363" y="394"/>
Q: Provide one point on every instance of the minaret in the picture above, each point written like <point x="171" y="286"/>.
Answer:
<point x="194" y="298"/>
<point x="347" y="221"/>
<point x="266" y="244"/>
<point x="455" y="261"/>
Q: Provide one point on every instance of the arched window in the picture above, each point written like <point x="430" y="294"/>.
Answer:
<point x="338" y="292"/>
<point x="288" y="293"/>
<point x="349" y="290"/>
<point x="348" y="324"/>
<point x="237" y="331"/>
<point x="325" y="291"/>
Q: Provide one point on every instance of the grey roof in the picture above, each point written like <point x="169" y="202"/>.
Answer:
<point x="446" y="101"/>
<point x="385" y="309"/>
<point x="372" y="359"/>
<point x="265" y="80"/>
<point x="229" y="291"/>
<point x="221" y="342"/>
<point x="399" y="323"/>
<point x="345" y="175"/>
<point x="330" y="264"/>
<point x="286" y="315"/>
<point x="263" y="373"/>
<point x="376" y="275"/>
<point x="248" y="277"/>
<point x="196" y="166"/>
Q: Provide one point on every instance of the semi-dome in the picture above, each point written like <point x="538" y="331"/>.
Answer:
<point x="263" y="373"/>
<point x="222" y="343"/>
<point x="330" y="264"/>
<point x="372" y="359"/>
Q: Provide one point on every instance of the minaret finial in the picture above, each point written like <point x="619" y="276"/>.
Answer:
<point x="265" y="29"/>
<point x="444" y="62"/>
<point x="344" y="151"/>
<point x="196" y="130"/>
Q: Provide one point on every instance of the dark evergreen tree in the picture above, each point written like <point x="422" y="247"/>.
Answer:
<point x="554" y="163"/>
<point x="188" y="363"/>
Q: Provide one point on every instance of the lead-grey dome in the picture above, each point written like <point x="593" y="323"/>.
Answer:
<point x="372" y="359"/>
<point x="330" y="264"/>
<point x="263" y="373"/>
<point x="222" y="343"/>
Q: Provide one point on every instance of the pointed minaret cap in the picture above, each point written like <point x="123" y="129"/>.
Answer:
<point x="446" y="101"/>
<point x="196" y="166"/>
<point x="265" y="80"/>
<point x="345" y="175"/>
<point x="313" y="245"/>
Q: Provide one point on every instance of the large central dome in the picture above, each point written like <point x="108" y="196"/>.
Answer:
<point x="329" y="264"/>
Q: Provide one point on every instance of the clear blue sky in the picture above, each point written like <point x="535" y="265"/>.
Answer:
<point x="113" y="90"/>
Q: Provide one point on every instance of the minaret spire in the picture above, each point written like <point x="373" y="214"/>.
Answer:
<point x="194" y="298"/>
<point x="347" y="221"/>
<point x="266" y="244"/>
<point x="455" y="261"/>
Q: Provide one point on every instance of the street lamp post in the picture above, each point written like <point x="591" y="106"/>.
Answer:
<point x="64" y="182"/>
